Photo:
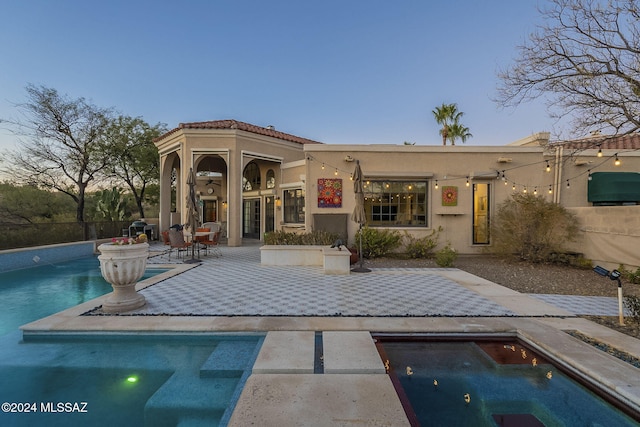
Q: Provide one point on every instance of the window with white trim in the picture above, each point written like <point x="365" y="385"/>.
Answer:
<point x="392" y="203"/>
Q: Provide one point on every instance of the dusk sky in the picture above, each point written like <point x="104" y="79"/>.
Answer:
<point x="335" y="71"/>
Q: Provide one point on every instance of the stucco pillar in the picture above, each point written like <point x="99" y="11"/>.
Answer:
<point x="234" y="205"/>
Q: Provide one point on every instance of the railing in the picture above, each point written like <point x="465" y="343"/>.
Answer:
<point x="28" y="235"/>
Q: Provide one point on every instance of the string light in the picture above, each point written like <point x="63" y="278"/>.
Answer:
<point x="436" y="186"/>
<point x="525" y="190"/>
<point x="599" y="152"/>
<point x="550" y="190"/>
<point x="336" y="172"/>
<point x="617" y="161"/>
<point x="535" y="191"/>
<point x="322" y="166"/>
<point x="589" y="177"/>
<point x="514" y="187"/>
<point x="467" y="184"/>
<point x="568" y="185"/>
<point x="548" y="168"/>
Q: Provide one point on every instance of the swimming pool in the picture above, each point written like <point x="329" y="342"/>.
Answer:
<point x="490" y="383"/>
<point x="123" y="379"/>
<point x="44" y="289"/>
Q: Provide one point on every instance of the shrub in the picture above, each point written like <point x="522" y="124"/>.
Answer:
<point x="446" y="257"/>
<point x="628" y="275"/>
<point x="313" y="238"/>
<point x="378" y="242"/>
<point x="422" y="247"/>
<point x="531" y="228"/>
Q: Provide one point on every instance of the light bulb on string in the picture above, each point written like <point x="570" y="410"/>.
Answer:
<point x="436" y="186"/>
<point x="568" y="185"/>
<point x="550" y="190"/>
<point x="548" y="168"/>
<point x="535" y="191"/>
<point x="599" y="152"/>
<point x="322" y="166"/>
<point x="525" y="190"/>
<point x="467" y="184"/>
<point x="514" y="187"/>
<point x="336" y="172"/>
<point x="617" y="161"/>
<point x="589" y="177"/>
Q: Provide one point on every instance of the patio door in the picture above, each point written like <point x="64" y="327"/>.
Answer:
<point x="251" y="218"/>
<point x="269" y="214"/>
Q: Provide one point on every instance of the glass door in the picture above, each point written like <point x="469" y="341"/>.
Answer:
<point x="251" y="218"/>
<point x="481" y="203"/>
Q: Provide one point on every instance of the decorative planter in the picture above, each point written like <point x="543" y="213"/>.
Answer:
<point x="122" y="266"/>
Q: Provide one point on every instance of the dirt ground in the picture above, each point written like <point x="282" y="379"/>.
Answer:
<point x="535" y="279"/>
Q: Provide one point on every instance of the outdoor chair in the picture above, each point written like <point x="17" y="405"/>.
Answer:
<point x="211" y="242"/>
<point x="177" y="241"/>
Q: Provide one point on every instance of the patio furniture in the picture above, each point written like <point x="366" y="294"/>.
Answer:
<point x="212" y="242"/>
<point x="177" y="241"/>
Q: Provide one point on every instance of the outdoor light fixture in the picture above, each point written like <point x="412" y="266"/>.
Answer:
<point x="599" y="152"/>
<point x="568" y="185"/>
<point x="613" y="275"/>
<point x="514" y="187"/>
<point x="436" y="186"/>
<point x="278" y="202"/>
<point x="524" y="190"/>
<point x="548" y="168"/>
<point x="617" y="161"/>
<point x="336" y="172"/>
<point x="467" y="182"/>
<point x="550" y="190"/>
<point x="535" y="191"/>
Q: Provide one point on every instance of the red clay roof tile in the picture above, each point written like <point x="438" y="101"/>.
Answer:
<point x="235" y="124"/>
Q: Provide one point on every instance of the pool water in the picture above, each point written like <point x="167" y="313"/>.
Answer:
<point x="124" y="380"/>
<point x="502" y="382"/>
<point x="33" y="293"/>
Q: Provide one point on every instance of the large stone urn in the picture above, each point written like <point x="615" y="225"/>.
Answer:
<point x="122" y="266"/>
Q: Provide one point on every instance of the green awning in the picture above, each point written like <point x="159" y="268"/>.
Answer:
<point x="614" y="187"/>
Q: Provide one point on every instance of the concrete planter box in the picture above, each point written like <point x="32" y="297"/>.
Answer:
<point x="333" y="261"/>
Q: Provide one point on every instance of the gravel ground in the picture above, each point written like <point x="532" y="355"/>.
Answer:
<point x="534" y="279"/>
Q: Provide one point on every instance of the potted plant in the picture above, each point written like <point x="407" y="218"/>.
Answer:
<point x="122" y="263"/>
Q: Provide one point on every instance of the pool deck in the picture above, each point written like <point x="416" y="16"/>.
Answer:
<point x="235" y="293"/>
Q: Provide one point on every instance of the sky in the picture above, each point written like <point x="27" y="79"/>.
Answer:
<point x="335" y="71"/>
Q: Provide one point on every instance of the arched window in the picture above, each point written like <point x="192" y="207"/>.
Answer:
<point x="251" y="177"/>
<point x="271" y="179"/>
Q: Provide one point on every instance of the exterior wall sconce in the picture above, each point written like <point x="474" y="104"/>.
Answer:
<point x="224" y="204"/>
<point x="278" y="203"/>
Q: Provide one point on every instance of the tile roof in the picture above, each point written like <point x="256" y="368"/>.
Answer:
<point x="605" y="142"/>
<point x="235" y="124"/>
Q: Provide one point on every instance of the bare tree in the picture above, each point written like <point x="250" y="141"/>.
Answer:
<point x="61" y="147"/>
<point x="585" y="59"/>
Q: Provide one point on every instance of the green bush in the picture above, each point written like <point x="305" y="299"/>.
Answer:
<point x="446" y="257"/>
<point x="531" y="228"/>
<point x="628" y="275"/>
<point x="322" y="238"/>
<point x="378" y="242"/>
<point x="422" y="247"/>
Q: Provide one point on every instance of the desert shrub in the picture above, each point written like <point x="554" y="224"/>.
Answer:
<point x="446" y="257"/>
<point x="378" y="242"/>
<point x="422" y="247"/>
<point x="628" y="275"/>
<point x="531" y="228"/>
<point x="313" y="238"/>
<point x="632" y="303"/>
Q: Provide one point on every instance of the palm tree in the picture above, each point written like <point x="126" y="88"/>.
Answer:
<point x="449" y="117"/>
<point x="456" y="130"/>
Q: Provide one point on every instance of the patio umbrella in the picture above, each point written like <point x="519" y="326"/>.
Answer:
<point x="359" y="214"/>
<point x="193" y="213"/>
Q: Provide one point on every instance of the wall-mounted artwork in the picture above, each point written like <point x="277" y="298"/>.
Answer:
<point x="329" y="192"/>
<point x="449" y="196"/>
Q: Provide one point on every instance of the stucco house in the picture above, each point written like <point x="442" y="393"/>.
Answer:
<point x="254" y="179"/>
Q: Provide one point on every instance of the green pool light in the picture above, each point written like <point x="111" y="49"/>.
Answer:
<point x="132" y="379"/>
